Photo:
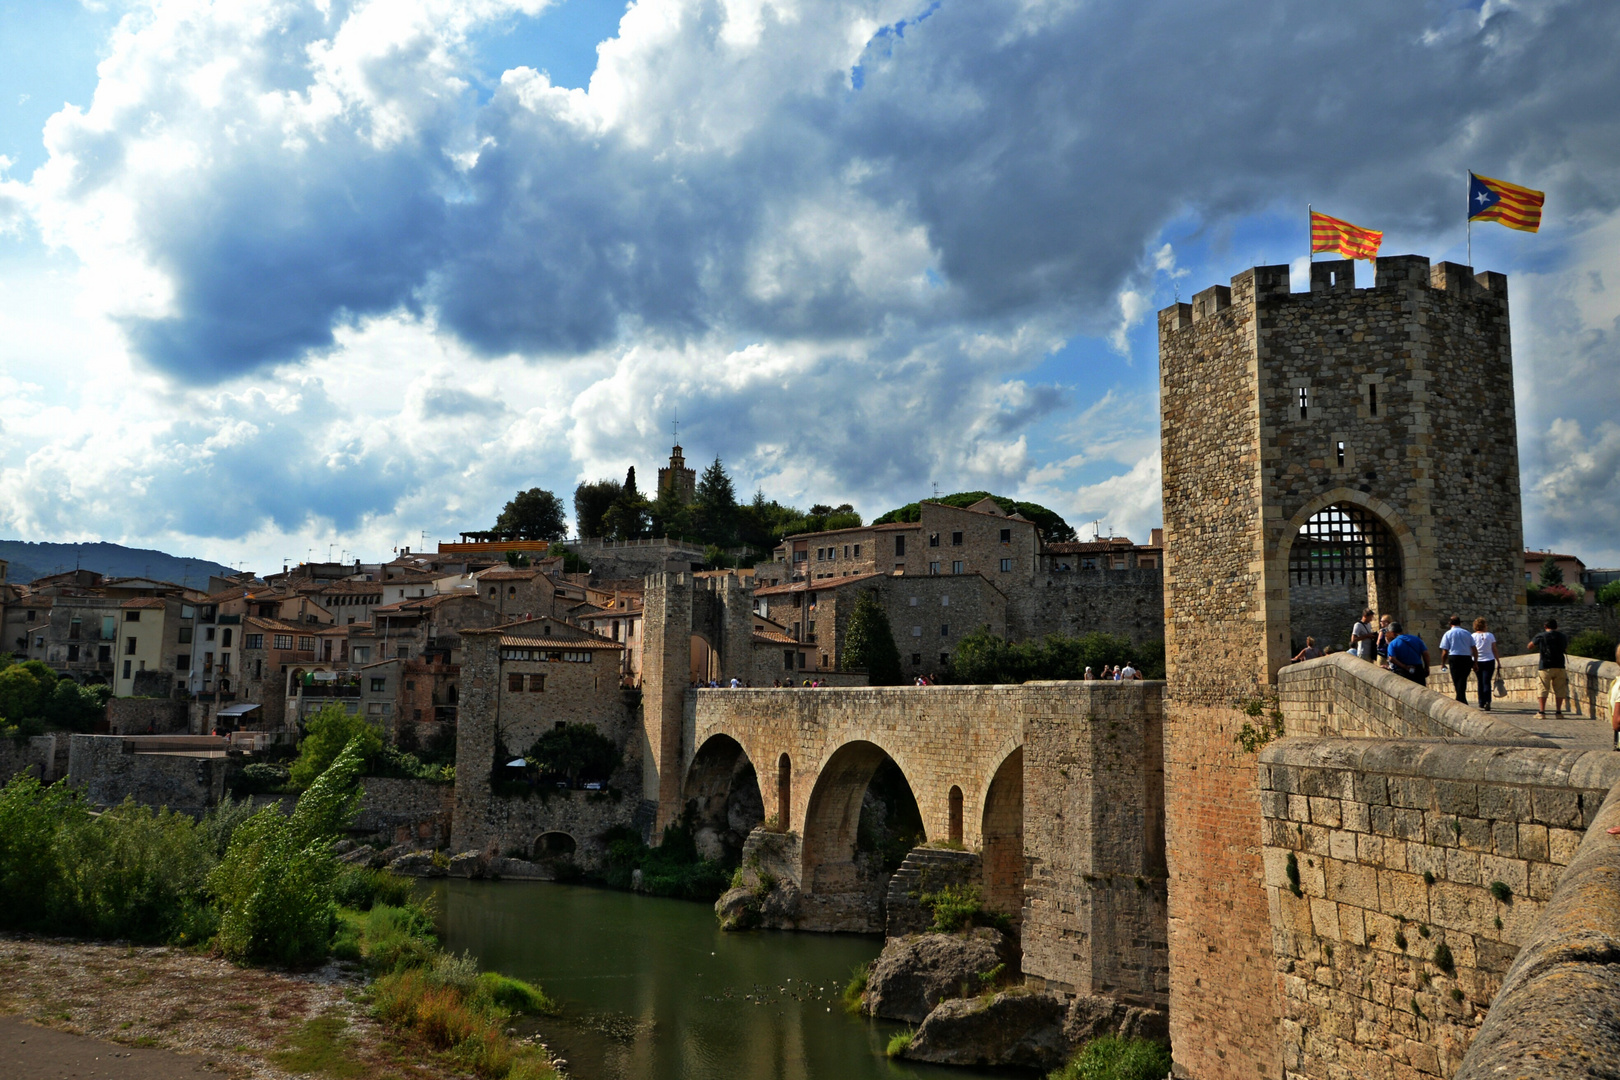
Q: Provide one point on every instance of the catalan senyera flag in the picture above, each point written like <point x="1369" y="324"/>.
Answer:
<point x="1351" y="241"/>
<point x="1508" y="204"/>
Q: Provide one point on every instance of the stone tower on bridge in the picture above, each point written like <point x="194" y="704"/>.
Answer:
<point x="1323" y="450"/>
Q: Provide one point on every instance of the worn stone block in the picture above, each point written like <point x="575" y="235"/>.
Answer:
<point x="1562" y="845"/>
<point x="1326" y="812"/>
<point x="1533" y="843"/>
<point x="1557" y="807"/>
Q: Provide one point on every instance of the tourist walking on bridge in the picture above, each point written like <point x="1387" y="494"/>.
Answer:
<point x="1551" y="644"/>
<point x="1408" y="656"/>
<point x="1363" y="638"/>
<point x="1457" y="655"/>
<point x="1484" y="661"/>
<point x="1386" y="634"/>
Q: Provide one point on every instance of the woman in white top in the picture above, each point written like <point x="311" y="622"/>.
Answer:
<point x="1484" y="662"/>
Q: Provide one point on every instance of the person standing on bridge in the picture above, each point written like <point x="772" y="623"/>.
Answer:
<point x="1551" y="643"/>
<point x="1408" y="656"/>
<point x="1384" y="638"/>
<point x="1457" y="655"/>
<point x="1363" y="638"/>
<point x="1309" y="652"/>
<point x="1484" y="661"/>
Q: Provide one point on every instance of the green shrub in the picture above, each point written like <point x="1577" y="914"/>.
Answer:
<point x="1502" y="891"/>
<point x="985" y="658"/>
<point x="131" y="872"/>
<point x="261" y="777"/>
<point x="275" y="884"/>
<point x="577" y="752"/>
<point x="361" y="888"/>
<point x="1610" y="595"/>
<point x="954" y="907"/>
<point x="855" y="989"/>
<point x="673" y="868"/>
<point x="900" y="1042"/>
<point x="1444" y="960"/>
<point x="1592" y="644"/>
<point x="326" y="735"/>
<point x="1114" y="1058"/>
<point x="515" y="995"/>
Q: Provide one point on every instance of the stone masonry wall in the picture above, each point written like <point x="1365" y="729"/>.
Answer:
<point x="1402" y="877"/>
<point x="109" y="770"/>
<point x="139" y="715"/>
<point x="1094" y="892"/>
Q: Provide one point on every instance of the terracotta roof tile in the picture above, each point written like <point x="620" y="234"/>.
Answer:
<point x="592" y="642"/>
<point x="821" y="585"/>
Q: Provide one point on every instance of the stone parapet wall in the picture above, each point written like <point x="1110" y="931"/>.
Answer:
<point x="110" y="769"/>
<point x="140" y="715"/>
<point x="1554" y="1015"/>
<point x="389" y="804"/>
<point x="510" y="825"/>
<point x="1342" y="695"/>
<point x="1590" y="681"/>
<point x="1380" y="862"/>
<point x="44" y="757"/>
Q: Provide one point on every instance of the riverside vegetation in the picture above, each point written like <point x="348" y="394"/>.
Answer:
<point x="260" y="888"/>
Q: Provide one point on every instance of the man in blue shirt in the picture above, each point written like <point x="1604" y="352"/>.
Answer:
<point x="1408" y="656"/>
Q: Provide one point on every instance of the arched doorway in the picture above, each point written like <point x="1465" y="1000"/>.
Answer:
<point x="954" y="810"/>
<point x="1003" y="830"/>
<point x="784" y="792"/>
<point x="549" y="846"/>
<point x="861" y="820"/>
<point x="704" y="663"/>
<point x="1343" y="560"/>
<point x="722" y="799"/>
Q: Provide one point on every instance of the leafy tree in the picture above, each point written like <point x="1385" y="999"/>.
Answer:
<point x="869" y="643"/>
<point x="1550" y="574"/>
<point x="671" y="516"/>
<point x="326" y="734"/>
<point x="24" y="690"/>
<point x="1610" y="594"/>
<point x="592" y="501"/>
<point x="627" y="518"/>
<point x="1051" y="525"/>
<point x="984" y="658"/>
<point x="576" y="751"/>
<point x="74" y="707"/>
<point x="535" y="514"/>
<point x="275" y="884"/>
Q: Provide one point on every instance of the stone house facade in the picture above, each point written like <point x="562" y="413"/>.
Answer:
<point x="517" y="592"/>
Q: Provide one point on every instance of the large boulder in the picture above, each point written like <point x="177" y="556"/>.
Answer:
<point x="1013" y="1029"/>
<point x="416" y="864"/>
<point x="917" y="972"/>
<point x="1093" y="1016"/>
<point x="520" y="870"/>
<point x="469" y="864"/>
<point x="361" y="856"/>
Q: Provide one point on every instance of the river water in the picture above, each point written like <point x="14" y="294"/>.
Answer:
<point x="652" y="989"/>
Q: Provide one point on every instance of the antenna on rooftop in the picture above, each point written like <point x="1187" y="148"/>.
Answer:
<point x="936" y="489"/>
<point x="675" y="426"/>
<point x="1096" y="530"/>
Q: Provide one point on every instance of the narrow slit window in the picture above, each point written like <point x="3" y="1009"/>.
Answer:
<point x="1304" y="401"/>
<point x="1341" y="455"/>
<point x="1372" y="399"/>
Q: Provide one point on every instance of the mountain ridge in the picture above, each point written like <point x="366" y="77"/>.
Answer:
<point x="29" y="560"/>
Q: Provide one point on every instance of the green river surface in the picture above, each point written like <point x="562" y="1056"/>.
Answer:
<point x="651" y="989"/>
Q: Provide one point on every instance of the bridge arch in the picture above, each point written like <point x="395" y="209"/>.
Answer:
<point x="832" y="822"/>
<point x="722" y="798"/>
<point x="1002" y="829"/>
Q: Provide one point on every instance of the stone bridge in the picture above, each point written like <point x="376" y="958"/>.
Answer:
<point x="1084" y="760"/>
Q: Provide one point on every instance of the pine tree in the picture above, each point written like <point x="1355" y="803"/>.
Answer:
<point x="869" y="643"/>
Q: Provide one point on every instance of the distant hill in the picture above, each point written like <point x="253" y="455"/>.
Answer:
<point x="29" y="561"/>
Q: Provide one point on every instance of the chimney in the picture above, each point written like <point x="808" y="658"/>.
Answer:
<point x="1156" y="539"/>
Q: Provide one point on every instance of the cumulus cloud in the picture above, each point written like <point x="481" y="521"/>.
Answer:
<point x="836" y="234"/>
<point x="269" y="171"/>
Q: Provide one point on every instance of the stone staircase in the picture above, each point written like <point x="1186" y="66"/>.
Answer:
<point x="925" y="870"/>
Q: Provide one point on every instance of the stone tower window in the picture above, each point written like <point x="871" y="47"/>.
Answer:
<point x="1372" y="399"/>
<point x="1341" y="455"/>
<point x="1304" y="401"/>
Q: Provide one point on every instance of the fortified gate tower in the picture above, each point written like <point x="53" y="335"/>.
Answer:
<point x="1323" y="451"/>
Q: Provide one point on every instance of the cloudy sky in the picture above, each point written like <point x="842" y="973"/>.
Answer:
<point x="283" y="274"/>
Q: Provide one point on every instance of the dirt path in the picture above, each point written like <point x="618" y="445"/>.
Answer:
<point x="184" y="1015"/>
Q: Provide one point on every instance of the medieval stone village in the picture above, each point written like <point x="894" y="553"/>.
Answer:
<point x="1250" y="856"/>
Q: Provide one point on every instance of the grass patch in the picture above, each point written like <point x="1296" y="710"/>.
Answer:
<point x="855" y="989"/>
<point x="1502" y="892"/>
<point x="1113" y="1058"/>
<point x="320" y="1047"/>
<point x="900" y="1042"/>
<point x="463" y="1014"/>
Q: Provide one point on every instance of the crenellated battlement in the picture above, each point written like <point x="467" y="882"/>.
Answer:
<point x="1335" y="278"/>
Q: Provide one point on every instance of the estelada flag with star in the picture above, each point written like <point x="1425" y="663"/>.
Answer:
<point x="1508" y="204"/>
<point x="1351" y="241"/>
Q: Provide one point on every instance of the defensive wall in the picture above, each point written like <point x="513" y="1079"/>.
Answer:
<point x="184" y="773"/>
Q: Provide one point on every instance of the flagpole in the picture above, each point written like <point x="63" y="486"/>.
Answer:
<point x="1310" y="246"/>
<point x="1470" y="243"/>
